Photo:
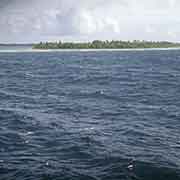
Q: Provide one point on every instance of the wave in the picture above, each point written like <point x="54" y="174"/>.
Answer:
<point x="103" y="168"/>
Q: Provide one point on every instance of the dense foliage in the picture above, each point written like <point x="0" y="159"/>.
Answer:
<point x="97" y="44"/>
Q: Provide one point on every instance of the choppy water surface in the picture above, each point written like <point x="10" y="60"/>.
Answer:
<point x="90" y="115"/>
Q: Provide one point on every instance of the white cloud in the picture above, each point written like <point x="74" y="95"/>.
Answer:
<point x="91" y="19"/>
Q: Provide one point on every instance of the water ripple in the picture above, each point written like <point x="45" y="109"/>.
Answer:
<point x="90" y="115"/>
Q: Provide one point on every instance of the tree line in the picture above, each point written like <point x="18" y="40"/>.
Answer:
<point x="97" y="44"/>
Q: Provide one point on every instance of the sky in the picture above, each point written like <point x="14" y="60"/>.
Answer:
<point x="27" y="21"/>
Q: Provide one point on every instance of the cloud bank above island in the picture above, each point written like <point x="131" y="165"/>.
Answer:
<point x="86" y="20"/>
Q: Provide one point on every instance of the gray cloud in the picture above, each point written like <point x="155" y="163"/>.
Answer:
<point x="40" y="20"/>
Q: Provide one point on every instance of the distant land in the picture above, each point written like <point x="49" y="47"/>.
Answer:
<point x="16" y="44"/>
<point x="97" y="44"/>
<point x="15" y="47"/>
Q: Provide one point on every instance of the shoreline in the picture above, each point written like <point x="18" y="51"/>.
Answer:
<point x="84" y="50"/>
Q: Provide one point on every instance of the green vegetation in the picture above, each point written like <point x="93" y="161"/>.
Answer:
<point x="97" y="44"/>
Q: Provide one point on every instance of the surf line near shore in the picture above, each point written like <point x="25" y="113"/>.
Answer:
<point x="83" y="50"/>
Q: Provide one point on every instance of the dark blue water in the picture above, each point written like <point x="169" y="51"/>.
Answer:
<point x="90" y="115"/>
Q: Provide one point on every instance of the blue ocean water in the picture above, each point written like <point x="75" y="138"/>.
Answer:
<point x="90" y="115"/>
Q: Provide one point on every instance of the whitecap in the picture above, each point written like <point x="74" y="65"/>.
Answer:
<point x="26" y="133"/>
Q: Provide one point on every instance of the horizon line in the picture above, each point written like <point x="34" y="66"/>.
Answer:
<point x="64" y="41"/>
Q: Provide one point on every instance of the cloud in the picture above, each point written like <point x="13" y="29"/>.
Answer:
<point x="41" y="20"/>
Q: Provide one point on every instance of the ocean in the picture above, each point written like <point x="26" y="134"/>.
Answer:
<point x="92" y="115"/>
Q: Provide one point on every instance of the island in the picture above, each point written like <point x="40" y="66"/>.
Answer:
<point x="98" y="44"/>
